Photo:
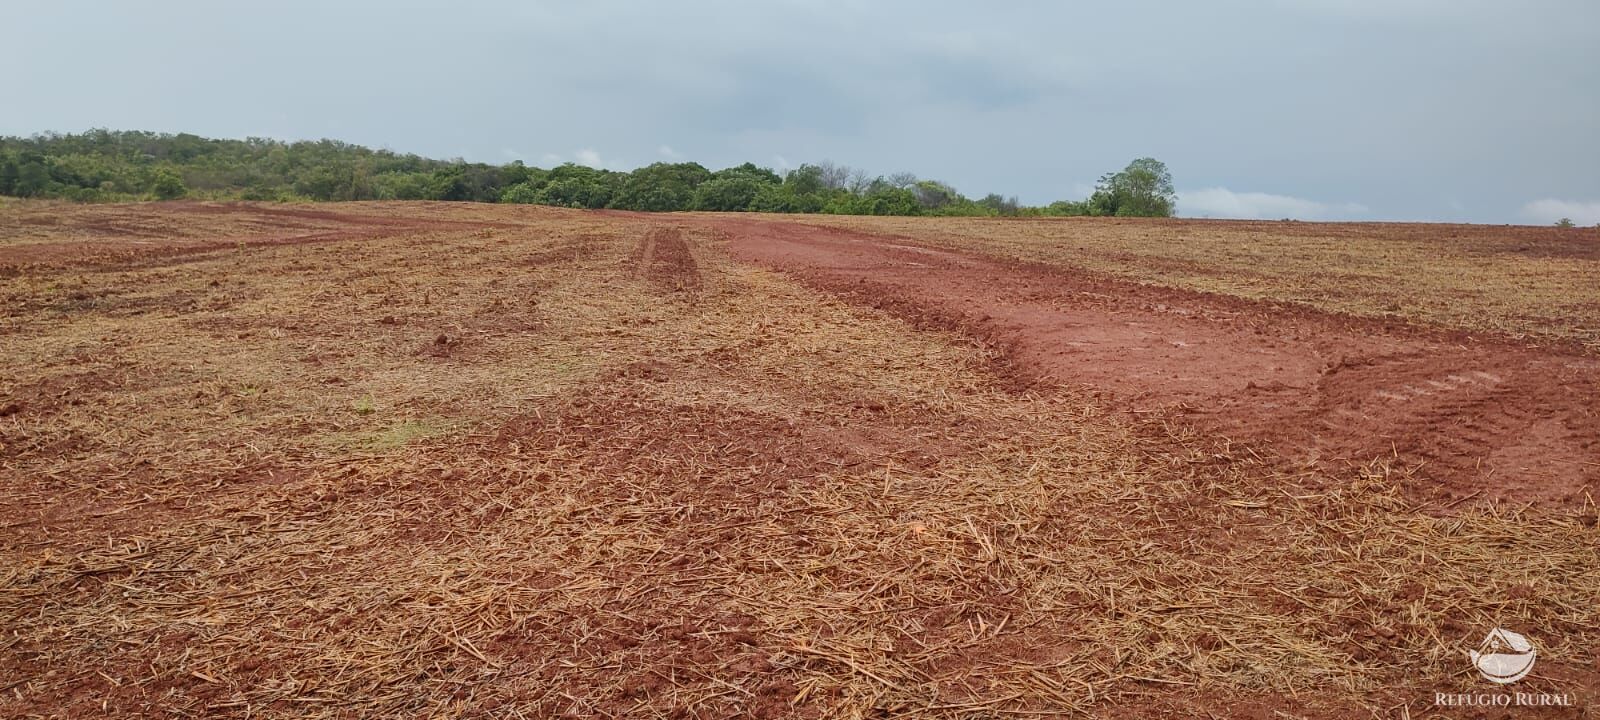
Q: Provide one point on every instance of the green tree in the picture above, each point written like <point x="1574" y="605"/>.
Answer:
<point x="402" y="186"/>
<point x="515" y="173"/>
<point x="661" y="187"/>
<point x="166" y="185"/>
<point x="1143" y="189"/>
<point x="324" y="182"/>
<point x="728" y="194"/>
<point x="807" y="180"/>
<point x="932" y="194"/>
<point x="33" y="176"/>
<point x="883" y="199"/>
<point x="1564" y="223"/>
<point x="466" y="182"/>
<point x="1069" y="208"/>
<point x="8" y="174"/>
<point x="1000" y="205"/>
<point x="575" y="192"/>
<point x="785" y="199"/>
<point x="750" y="171"/>
<point x="573" y="185"/>
<point x="524" y="193"/>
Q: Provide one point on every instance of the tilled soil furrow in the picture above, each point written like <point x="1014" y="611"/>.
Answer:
<point x="1307" y="386"/>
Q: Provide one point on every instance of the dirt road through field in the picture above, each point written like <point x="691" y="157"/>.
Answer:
<point x="1471" y="419"/>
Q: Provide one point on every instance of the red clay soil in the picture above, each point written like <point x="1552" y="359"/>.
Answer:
<point x="1472" y="419"/>
<point x="663" y="257"/>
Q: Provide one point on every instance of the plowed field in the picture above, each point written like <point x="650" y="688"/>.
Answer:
<point x="429" y="459"/>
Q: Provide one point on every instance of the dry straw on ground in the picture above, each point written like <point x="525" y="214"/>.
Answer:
<point x="556" y="467"/>
<point x="1536" y="282"/>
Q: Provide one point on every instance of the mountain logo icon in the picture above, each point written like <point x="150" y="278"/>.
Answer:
<point x="1504" y="657"/>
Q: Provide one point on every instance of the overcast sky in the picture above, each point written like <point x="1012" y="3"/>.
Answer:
<point x="1342" y="109"/>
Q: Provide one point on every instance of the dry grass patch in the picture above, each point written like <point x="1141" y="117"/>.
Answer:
<point x="1517" y="281"/>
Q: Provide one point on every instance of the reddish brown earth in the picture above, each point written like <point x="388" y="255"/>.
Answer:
<point x="396" y="489"/>
<point x="664" y="258"/>
<point x="164" y="230"/>
<point x="1473" y="419"/>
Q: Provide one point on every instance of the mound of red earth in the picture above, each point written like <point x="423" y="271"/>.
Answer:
<point x="1469" y="419"/>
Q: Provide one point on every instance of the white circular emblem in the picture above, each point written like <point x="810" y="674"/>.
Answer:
<point x="1504" y="657"/>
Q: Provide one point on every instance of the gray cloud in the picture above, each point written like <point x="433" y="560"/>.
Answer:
<point x="1225" y="203"/>
<point x="1412" y="109"/>
<point x="1548" y="211"/>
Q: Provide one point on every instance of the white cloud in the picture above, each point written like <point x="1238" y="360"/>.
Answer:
<point x="781" y="162"/>
<point x="1548" y="211"/>
<point x="589" y="157"/>
<point x="1225" y="203"/>
<point x="667" y="152"/>
<point x="511" y="154"/>
<point x="551" y="159"/>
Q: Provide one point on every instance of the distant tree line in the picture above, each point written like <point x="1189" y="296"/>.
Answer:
<point x="106" y="165"/>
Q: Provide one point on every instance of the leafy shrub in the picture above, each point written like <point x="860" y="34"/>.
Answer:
<point x="167" y="185"/>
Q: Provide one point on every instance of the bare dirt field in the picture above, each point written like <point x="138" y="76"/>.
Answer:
<point x="429" y="459"/>
<point x="1474" y="416"/>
